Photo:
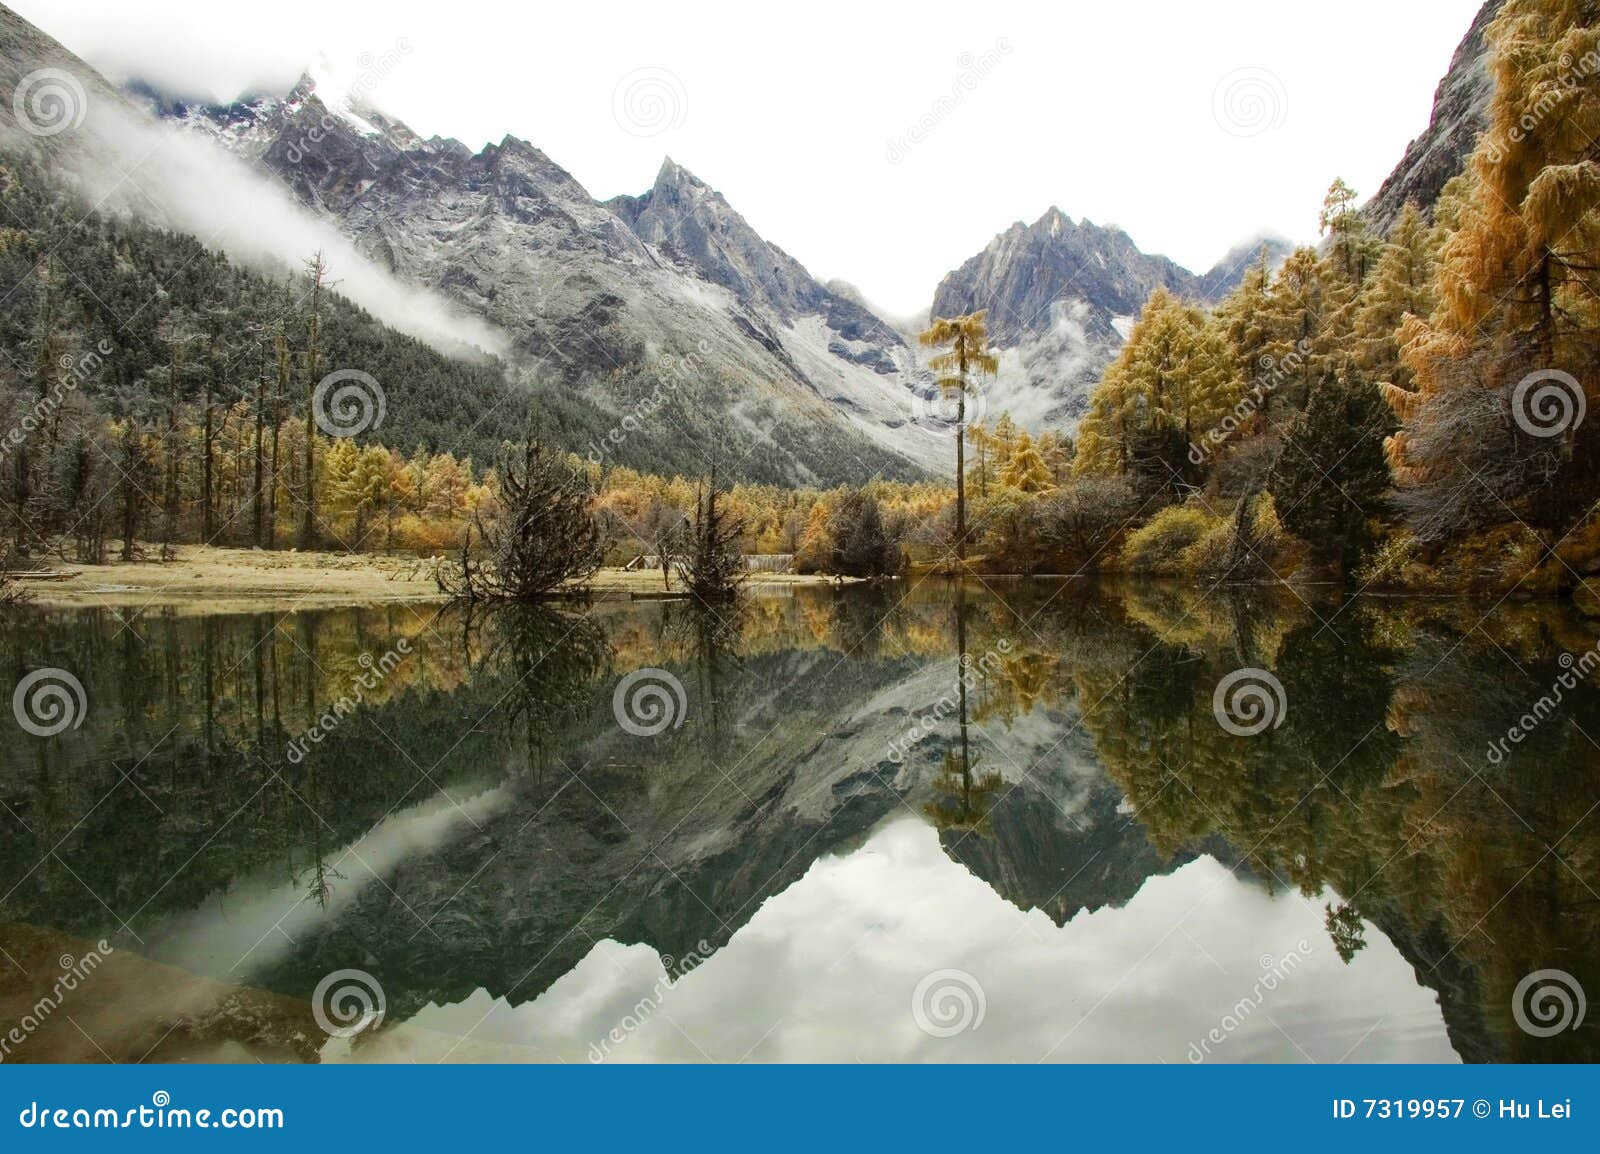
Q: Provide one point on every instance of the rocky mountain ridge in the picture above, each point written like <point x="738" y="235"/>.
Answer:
<point x="1460" y="111"/>
<point x="1062" y="296"/>
<point x="671" y="291"/>
<point x="770" y="372"/>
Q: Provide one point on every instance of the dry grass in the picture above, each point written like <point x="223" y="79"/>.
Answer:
<point x="215" y="578"/>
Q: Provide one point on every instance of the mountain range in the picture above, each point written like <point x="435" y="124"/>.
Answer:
<point x="667" y="314"/>
<point x="591" y="287"/>
<point x="606" y="299"/>
<point x="1062" y="297"/>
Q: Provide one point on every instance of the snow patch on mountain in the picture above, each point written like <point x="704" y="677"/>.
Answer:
<point x="593" y="294"/>
<point x="1062" y="298"/>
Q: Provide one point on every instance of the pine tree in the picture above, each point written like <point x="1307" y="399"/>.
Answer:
<point x="1025" y="469"/>
<point x="217" y="320"/>
<point x="317" y="275"/>
<point x="280" y="349"/>
<point x="714" y="564"/>
<point x="1056" y="449"/>
<point x="1301" y="346"/>
<point x="1350" y="247"/>
<point x="1242" y="318"/>
<point x="1002" y="438"/>
<point x="1516" y="289"/>
<point x="1522" y="261"/>
<point x="178" y="332"/>
<point x="1329" y="481"/>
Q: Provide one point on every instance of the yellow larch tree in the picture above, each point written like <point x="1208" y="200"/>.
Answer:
<point x="1516" y="293"/>
<point x="1174" y="379"/>
<point x="969" y="356"/>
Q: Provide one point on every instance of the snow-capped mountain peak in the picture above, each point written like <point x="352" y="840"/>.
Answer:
<point x="597" y="296"/>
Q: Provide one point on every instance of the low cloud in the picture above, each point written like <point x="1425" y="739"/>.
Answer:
<point x="181" y="180"/>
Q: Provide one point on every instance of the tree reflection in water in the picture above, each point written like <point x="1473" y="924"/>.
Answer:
<point x="1081" y="759"/>
<point x="963" y="801"/>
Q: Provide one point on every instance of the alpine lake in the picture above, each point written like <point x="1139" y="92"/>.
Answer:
<point x="1001" y="821"/>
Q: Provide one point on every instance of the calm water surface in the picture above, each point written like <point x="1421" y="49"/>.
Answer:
<point x="1015" y="823"/>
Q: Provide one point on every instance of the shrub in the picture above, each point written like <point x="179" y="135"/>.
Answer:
<point x="1392" y="564"/>
<point x="1010" y="534"/>
<point x="1248" y="544"/>
<point x="1082" y="520"/>
<point x="1157" y="548"/>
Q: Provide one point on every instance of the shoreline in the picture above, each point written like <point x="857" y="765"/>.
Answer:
<point x="217" y="578"/>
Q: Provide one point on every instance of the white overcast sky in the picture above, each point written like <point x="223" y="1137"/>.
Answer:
<point x="1115" y="110"/>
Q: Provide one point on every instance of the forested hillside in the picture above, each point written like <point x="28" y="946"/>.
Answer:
<point x="144" y="375"/>
<point x="79" y="278"/>
<point x="1404" y="409"/>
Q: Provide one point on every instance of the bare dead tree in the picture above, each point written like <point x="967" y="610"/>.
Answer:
<point x="666" y="528"/>
<point x="714" y="563"/>
<point x="11" y="591"/>
<point x="1471" y="460"/>
<point x="542" y="534"/>
<point x="1082" y="519"/>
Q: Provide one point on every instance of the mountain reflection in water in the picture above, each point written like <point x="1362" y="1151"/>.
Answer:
<point x="969" y="825"/>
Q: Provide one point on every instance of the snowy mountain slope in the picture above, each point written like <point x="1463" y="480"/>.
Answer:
<point x="1062" y="296"/>
<point x="770" y="370"/>
<point x="61" y="114"/>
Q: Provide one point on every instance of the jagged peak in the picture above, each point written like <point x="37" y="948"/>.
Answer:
<point x="674" y="175"/>
<point x="302" y="89"/>
<point x="1054" y="222"/>
<point x="513" y="145"/>
<point x="341" y="95"/>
